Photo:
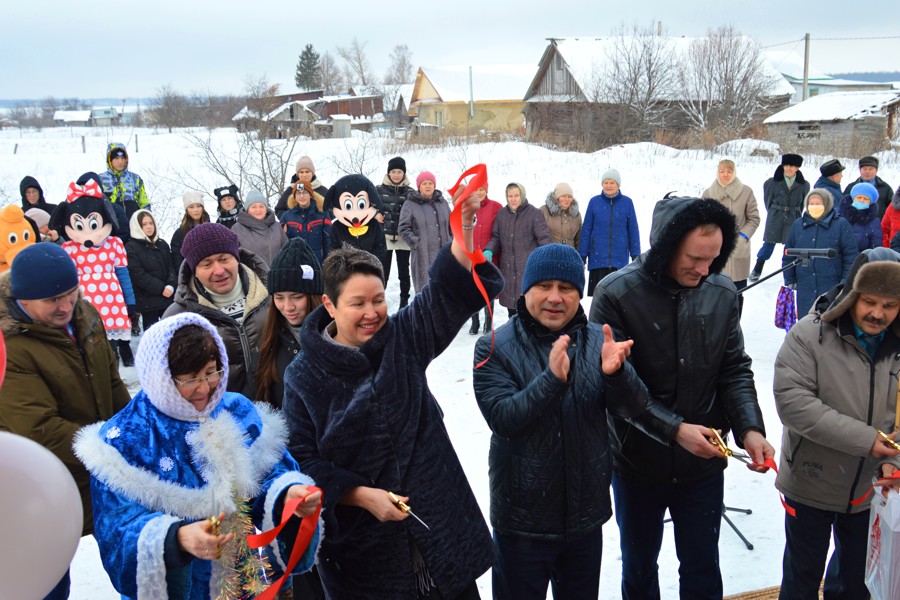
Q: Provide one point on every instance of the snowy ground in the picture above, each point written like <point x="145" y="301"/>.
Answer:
<point x="648" y="172"/>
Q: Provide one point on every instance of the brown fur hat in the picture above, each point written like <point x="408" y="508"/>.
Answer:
<point x="879" y="278"/>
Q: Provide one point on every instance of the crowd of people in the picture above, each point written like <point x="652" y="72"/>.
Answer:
<point x="269" y="364"/>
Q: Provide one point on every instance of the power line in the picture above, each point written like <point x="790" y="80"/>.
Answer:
<point x="783" y="43"/>
<point x="840" y="39"/>
<point x="856" y="39"/>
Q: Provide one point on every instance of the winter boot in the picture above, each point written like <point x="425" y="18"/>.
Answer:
<point x="136" y="325"/>
<point x="476" y="325"/>
<point x="757" y="270"/>
<point x="126" y="353"/>
<point x="487" y="320"/>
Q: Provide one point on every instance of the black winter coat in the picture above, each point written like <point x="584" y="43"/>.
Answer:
<point x="288" y="347"/>
<point x="550" y="458"/>
<point x="393" y="197"/>
<point x="688" y="350"/>
<point x="366" y="417"/>
<point x="783" y="205"/>
<point x="151" y="270"/>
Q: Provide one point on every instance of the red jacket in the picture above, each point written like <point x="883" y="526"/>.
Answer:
<point x="485" y="216"/>
<point x="890" y="225"/>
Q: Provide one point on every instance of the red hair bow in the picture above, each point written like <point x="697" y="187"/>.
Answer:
<point x="91" y="188"/>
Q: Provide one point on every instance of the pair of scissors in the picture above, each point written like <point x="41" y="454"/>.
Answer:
<point x="719" y="443"/>
<point x="888" y="440"/>
<point x="405" y="508"/>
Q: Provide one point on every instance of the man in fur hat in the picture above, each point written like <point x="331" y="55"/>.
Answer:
<point x="836" y="393"/>
<point x="783" y="195"/>
<point x="683" y="316"/>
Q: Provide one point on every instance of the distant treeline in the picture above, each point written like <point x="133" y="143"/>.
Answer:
<point x="873" y="76"/>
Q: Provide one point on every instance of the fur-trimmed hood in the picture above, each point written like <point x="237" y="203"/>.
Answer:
<point x="552" y="204"/>
<point x="675" y="217"/>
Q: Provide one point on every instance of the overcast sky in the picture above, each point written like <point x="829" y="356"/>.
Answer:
<point x="131" y="48"/>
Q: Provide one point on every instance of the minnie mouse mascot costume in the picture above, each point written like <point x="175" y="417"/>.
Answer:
<point x="87" y="219"/>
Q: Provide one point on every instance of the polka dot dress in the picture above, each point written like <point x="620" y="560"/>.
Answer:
<point x="100" y="285"/>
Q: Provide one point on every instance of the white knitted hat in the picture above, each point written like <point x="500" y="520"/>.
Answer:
<point x="152" y="364"/>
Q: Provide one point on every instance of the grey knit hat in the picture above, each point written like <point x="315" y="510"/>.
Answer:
<point x="611" y="174"/>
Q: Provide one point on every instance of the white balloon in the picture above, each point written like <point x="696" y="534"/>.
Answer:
<point x="40" y="517"/>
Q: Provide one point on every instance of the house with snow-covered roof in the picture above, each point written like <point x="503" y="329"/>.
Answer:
<point x="841" y="123"/>
<point x="71" y="118"/>
<point x="477" y="97"/>
<point x="790" y="65"/>
<point x="308" y="113"/>
<point x="571" y="99"/>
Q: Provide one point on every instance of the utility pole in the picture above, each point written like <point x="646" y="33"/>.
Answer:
<point x="806" y="69"/>
<point x="471" y="95"/>
<point x="659" y="29"/>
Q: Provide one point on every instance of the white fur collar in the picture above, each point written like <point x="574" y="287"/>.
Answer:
<point x="229" y="467"/>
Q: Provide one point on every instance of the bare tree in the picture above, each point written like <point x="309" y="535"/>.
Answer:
<point x="722" y="81"/>
<point x="639" y="77"/>
<point x="356" y="64"/>
<point x="330" y="76"/>
<point x="259" y="160"/>
<point x="401" y="69"/>
<point x="170" y="108"/>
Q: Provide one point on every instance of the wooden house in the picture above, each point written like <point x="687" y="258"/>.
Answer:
<point x="490" y="98"/>
<point x="838" y="123"/>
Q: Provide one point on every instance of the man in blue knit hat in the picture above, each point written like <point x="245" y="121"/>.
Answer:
<point x="545" y="393"/>
<point x="61" y="372"/>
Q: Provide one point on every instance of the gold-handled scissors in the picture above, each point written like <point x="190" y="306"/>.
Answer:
<point x="888" y="440"/>
<point x="405" y="508"/>
<point x="719" y="443"/>
<point x="216" y="526"/>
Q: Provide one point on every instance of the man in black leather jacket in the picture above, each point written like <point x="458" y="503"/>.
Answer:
<point x="545" y="393"/>
<point x="683" y="317"/>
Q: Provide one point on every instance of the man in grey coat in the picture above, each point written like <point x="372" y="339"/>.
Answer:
<point x="836" y="394"/>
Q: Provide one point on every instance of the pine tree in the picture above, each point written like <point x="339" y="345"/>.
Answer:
<point x="307" y="76"/>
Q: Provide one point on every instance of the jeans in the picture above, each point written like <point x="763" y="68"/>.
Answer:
<point x="525" y="566"/>
<point x="806" y="549"/>
<point x="696" y="511"/>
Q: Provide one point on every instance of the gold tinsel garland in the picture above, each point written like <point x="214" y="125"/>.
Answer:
<point x="246" y="572"/>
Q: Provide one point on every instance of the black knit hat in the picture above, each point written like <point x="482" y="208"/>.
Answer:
<point x="228" y="190"/>
<point x="295" y="269"/>
<point x="831" y="167"/>
<point x="397" y="163"/>
<point x="794" y="160"/>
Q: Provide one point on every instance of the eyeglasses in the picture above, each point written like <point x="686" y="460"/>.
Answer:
<point x="192" y="384"/>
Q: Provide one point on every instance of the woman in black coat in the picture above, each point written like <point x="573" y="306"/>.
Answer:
<point x="295" y="283"/>
<point x="150" y="266"/>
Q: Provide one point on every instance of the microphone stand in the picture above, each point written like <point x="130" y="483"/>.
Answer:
<point x="797" y="261"/>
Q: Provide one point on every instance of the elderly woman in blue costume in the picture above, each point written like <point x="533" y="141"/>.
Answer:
<point x="185" y="450"/>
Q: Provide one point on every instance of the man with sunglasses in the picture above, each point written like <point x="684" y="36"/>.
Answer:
<point x="61" y="373"/>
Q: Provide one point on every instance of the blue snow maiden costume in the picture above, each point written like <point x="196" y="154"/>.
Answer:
<point x="160" y="463"/>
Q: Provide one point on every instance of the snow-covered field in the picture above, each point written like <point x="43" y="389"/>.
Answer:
<point x="648" y="171"/>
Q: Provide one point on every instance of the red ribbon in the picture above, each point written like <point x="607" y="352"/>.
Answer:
<point x="861" y="499"/>
<point x="301" y="542"/>
<point x="89" y="189"/>
<point x="478" y="180"/>
<point x="770" y="462"/>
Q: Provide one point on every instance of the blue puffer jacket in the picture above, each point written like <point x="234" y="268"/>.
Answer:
<point x="311" y="225"/>
<point x="610" y="232"/>
<point x="831" y="231"/>
<point x="865" y="223"/>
